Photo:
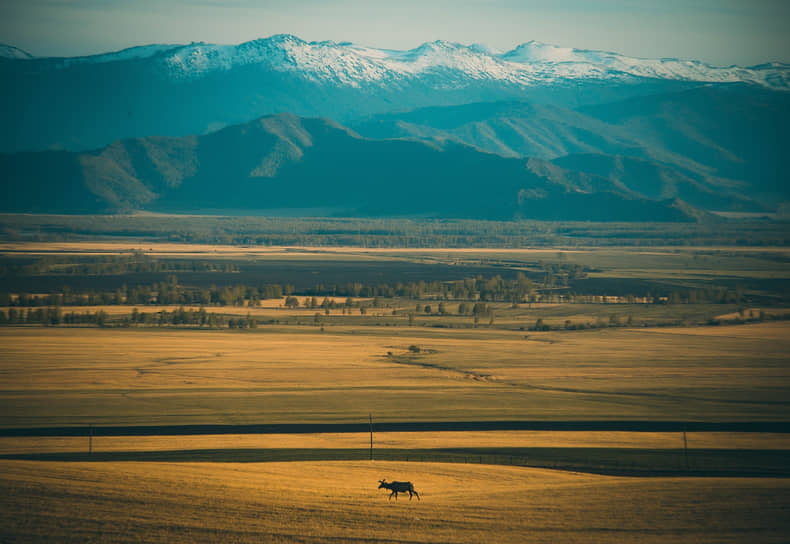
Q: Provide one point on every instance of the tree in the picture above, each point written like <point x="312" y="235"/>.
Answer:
<point x="101" y="318"/>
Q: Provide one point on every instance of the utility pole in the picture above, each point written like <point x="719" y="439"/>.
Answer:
<point x="370" y="418"/>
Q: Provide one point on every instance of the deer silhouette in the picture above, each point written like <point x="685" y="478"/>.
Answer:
<point x="399" y="487"/>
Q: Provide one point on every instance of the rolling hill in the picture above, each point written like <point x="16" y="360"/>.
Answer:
<point x="285" y="161"/>
<point x="720" y="147"/>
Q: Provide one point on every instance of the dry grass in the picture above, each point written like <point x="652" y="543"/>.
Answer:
<point x="112" y="376"/>
<point x="63" y="376"/>
<point x="401" y="440"/>
<point x="633" y="262"/>
<point x="339" y="501"/>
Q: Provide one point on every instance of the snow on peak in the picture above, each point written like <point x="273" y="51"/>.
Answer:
<point x="354" y="65"/>
<point x="484" y="49"/>
<point x="11" y="52"/>
<point x="530" y="63"/>
<point x="533" y="51"/>
<point x="604" y="62"/>
<point x="437" y="45"/>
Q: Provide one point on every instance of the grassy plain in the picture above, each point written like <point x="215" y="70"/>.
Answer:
<point x="398" y="440"/>
<point x="291" y="370"/>
<point x="339" y="501"/>
<point x="57" y="376"/>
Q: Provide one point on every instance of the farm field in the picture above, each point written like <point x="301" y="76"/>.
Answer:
<point x="82" y="376"/>
<point x="171" y="459"/>
<point x="400" y="440"/>
<point x="339" y="501"/>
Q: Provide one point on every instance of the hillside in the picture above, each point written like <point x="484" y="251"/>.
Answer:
<point x="719" y="147"/>
<point x="285" y="161"/>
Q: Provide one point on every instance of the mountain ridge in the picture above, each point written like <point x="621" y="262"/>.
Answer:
<point x="729" y="139"/>
<point x="285" y="161"/>
<point x="82" y="103"/>
<point x="531" y="62"/>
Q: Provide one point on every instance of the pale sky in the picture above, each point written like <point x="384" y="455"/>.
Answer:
<point x="720" y="32"/>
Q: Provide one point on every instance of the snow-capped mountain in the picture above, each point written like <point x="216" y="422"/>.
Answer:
<point x="83" y="102"/>
<point x="773" y="75"/>
<point x="531" y="63"/>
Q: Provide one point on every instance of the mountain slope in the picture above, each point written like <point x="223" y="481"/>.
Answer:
<point x="727" y="139"/>
<point x="510" y="129"/>
<point x="730" y="132"/>
<point x="285" y="161"/>
<point x="11" y="52"/>
<point x="87" y="102"/>
<point x="658" y="181"/>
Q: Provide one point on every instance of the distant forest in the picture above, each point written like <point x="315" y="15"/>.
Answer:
<point x="550" y="284"/>
<point x="391" y="233"/>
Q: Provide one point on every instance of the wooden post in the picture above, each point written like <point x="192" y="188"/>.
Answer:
<point x="370" y="418"/>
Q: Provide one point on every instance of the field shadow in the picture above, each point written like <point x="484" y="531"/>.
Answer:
<point x="610" y="461"/>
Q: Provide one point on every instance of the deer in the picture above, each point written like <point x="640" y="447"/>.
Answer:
<point x="399" y="487"/>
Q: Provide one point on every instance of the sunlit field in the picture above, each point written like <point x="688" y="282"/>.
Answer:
<point x="399" y="440"/>
<point x="154" y="377"/>
<point x="307" y="366"/>
<point x="340" y="501"/>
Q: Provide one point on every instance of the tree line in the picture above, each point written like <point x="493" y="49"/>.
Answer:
<point x="53" y="316"/>
<point x="169" y="292"/>
<point x="126" y="263"/>
<point x="519" y="289"/>
<point x="387" y="232"/>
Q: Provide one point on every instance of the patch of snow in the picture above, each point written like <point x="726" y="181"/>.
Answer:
<point x="446" y="63"/>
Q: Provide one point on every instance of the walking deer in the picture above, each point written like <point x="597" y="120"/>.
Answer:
<point x="399" y="487"/>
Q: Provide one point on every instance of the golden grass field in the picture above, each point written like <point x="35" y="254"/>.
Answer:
<point x="61" y="376"/>
<point x="400" y="440"/>
<point x="340" y="502"/>
<point x="284" y="373"/>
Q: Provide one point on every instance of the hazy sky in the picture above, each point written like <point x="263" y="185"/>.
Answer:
<point x="720" y="32"/>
